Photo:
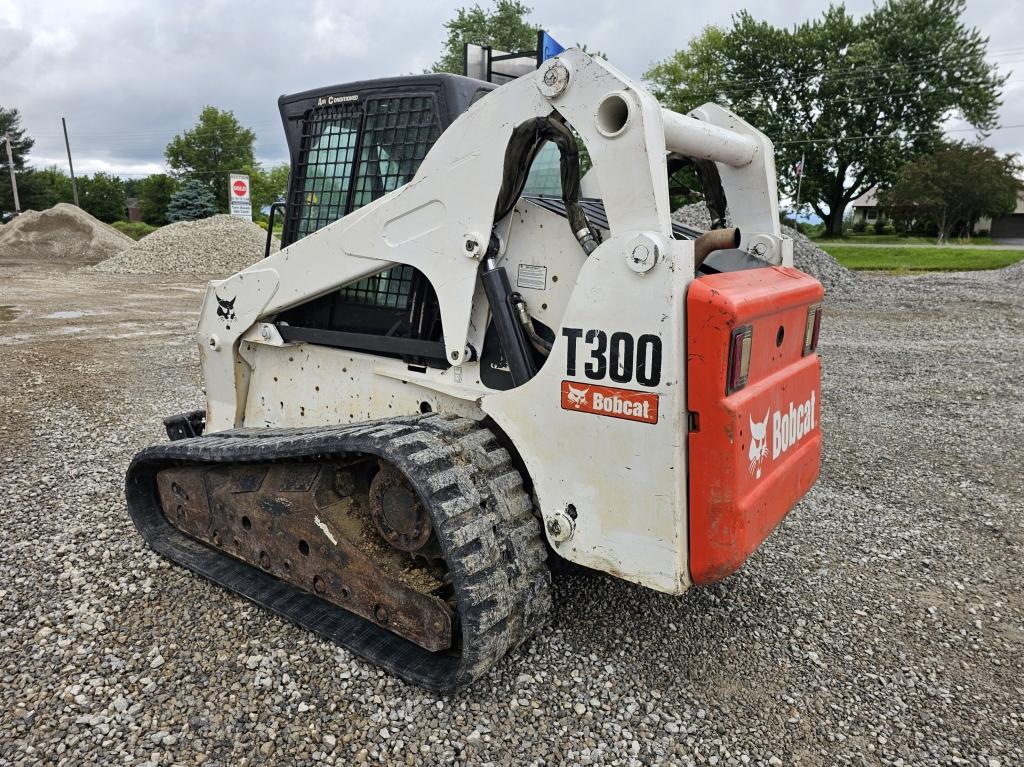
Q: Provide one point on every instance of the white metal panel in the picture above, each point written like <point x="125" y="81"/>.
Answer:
<point x="626" y="480"/>
<point x="310" y="385"/>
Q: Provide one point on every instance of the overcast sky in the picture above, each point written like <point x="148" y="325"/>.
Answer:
<point x="129" y="75"/>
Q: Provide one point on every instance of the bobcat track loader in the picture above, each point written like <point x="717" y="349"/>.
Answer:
<point x="440" y="384"/>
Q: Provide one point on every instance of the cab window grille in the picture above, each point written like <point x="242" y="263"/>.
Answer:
<point x="397" y="134"/>
<point x="350" y="155"/>
<point x="391" y="288"/>
<point x="324" y="171"/>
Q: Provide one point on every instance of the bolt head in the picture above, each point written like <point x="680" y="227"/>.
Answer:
<point x="555" y="78"/>
<point x="642" y="254"/>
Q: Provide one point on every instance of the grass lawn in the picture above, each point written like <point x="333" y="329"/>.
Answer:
<point x="897" y="259"/>
<point x="852" y="238"/>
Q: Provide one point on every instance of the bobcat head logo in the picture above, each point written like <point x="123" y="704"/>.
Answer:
<point x="578" y="397"/>
<point x="758" y="444"/>
<point x="225" y="308"/>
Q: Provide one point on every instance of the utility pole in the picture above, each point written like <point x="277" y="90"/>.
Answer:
<point x="14" y="181"/>
<point x="74" y="186"/>
<point x="799" y="183"/>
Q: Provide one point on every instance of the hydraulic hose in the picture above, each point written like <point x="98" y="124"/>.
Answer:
<point x="526" y="140"/>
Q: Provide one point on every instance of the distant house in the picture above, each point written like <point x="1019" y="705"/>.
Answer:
<point x="1007" y="227"/>
<point x="865" y="208"/>
<point x="1011" y="226"/>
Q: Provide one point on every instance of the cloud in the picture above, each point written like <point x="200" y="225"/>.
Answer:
<point x="129" y="75"/>
<point x="13" y="43"/>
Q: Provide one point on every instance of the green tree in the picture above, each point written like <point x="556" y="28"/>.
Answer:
<point x="154" y="194"/>
<point x="10" y="125"/>
<point x="217" y="146"/>
<point x="102" y="196"/>
<point x="192" y="201"/>
<point x="42" y="189"/>
<point x="858" y="97"/>
<point x="267" y="186"/>
<point x="502" y="26"/>
<point x="954" y="187"/>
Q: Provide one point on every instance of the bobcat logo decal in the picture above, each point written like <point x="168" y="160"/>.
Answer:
<point x="225" y="308"/>
<point x="758" y="444"/>
<point x="578" y="397"/>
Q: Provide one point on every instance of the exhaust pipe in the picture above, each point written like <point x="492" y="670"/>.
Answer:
<point x="710" y="241"/>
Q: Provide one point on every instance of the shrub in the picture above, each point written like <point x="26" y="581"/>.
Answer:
<point x="982" y="233"/>
<point x="193" y="201"/>
<point x="860" y="226"/>
<point x="134" y="229"/>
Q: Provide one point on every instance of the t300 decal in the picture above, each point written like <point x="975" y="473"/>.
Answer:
<point x="617" y="356"/>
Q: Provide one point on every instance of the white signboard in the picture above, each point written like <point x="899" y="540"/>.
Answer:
<point x="238" y="193"/>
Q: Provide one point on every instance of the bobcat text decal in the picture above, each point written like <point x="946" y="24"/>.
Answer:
<point x="605" y="400"/>
<point x="788" y="428"/>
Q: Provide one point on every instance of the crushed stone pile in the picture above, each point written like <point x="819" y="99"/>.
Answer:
<point x="807" y="257"/>
<point x="1013" y="272"/>
<point x="64" y="232"/>
<point x="220" y="245"/>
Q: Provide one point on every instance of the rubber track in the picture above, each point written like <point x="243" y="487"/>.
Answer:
<point x="484" y="520"/>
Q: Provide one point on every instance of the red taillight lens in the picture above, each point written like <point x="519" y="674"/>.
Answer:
<point x="812" y="329"/>
<point x="739" y="358"/>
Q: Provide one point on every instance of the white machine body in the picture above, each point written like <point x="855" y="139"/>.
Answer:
<point x="609" y="479"/>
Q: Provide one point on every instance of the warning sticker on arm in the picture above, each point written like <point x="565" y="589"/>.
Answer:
<point x="532" y="276"/>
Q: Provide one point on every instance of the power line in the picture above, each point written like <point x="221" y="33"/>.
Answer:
<point x="848" y="76"/>
<point x="867" y="137"/>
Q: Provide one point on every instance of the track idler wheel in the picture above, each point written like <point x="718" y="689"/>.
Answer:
<point x="397" y="512"/>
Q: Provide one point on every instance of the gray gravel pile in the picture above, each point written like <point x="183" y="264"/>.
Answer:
<point x="64" y="232"/>
<point x="220" y="244"/>
<point x="1013" y="272"/>
<point x="807" y="257"/>
<point x="881" y="624"/>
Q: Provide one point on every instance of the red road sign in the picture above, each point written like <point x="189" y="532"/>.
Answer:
<point x="240" y="188"/>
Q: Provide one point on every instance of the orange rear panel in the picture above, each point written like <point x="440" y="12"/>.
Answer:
<point x="755" y="452"/>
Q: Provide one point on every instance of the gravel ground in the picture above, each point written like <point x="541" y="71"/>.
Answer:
<point x="883" y="623"/>
<point x="220" y="245"/>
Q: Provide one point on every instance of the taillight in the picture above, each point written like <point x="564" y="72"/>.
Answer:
<point x="812" y="329"/>
<point x="739" y="358"/>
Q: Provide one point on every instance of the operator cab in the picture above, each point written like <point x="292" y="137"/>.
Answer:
<point x="350" y="144"/>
